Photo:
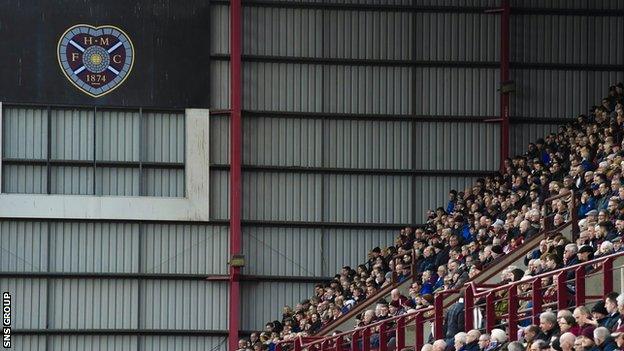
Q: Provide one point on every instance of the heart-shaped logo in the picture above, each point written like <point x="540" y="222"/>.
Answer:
<point x="95" y="59"/>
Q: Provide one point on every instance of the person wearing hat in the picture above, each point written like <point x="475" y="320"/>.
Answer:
<point x="587" y="339"/>
<point x="600" y="313"/>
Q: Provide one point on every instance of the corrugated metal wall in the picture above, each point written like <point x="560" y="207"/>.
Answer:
<point x="92" y="136"/>
<point x="356" y="121"/>
<point x="564" y="60"/>
<point x="115" y="277"/>
<point x="346" y="112"/>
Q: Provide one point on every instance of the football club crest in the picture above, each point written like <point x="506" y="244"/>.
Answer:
<point x="95" y="59"/>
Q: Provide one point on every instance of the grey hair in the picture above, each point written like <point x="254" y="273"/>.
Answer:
<point x="549" y="317"/>
<point x="601" y="333"/>
<point x="499" y="335"/>
<point x="620" y="300"/>
<point x="461" y="338"/>
<point x="541" y="344"/>
<point x="572" y="248"/>
<point x="515" y="346"/>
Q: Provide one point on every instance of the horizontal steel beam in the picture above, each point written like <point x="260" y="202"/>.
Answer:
<point x="425" y="9"/>
<point x="365" y="116"/>
<point x="161" y="276"/>
<point x="137" y="332"/>
<point x="6" y="104"/>
<point x="370" y="171"/>
<point x="90" y="163"/>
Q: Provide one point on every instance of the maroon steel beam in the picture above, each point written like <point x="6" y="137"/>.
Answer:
<point x="504" y="77"/>
<point x="235" y="168"/>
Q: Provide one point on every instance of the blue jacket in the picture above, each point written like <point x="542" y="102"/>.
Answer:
<point x="586" y="207"/>
<point x="450" y="206"/>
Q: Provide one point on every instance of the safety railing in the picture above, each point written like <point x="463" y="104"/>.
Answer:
<point x="490" y="271"/>
<point x="521" y="302"/>
<point x="550" y="290"/>
<point x="388" y="333"/>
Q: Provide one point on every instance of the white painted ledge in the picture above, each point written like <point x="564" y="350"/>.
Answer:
<point x="193" y="207"/>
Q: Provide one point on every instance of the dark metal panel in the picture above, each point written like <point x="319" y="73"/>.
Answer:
<point x="457" y="146"/>
<point x="160" y="74"/>
<point x="24" y="246"/>
<point x="457" y="91"/>
<point x="457" y="37"/>
<point x="184" y="249"/>
<point x="282" y="251"/>
<point x="525" y="133"/>
<point x="93" y="247"/>
<point x="187" y="305"/>
<point x="281" y="196"/>
<point x="283" y="142"/>
<point x="367" y="198"/>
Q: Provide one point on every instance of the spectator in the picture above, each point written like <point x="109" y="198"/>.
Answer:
<point x="619" y="338"/>
<point x="549" y="327"/>
<point x="613" y="315"/>
<point x="566" y="341"/>
<point x="454" y="320"/>
<point x="484" y="341"/>
<point x="603" y="339"/>
<point x="472" y="340"/>
<point x="460" y="341"/>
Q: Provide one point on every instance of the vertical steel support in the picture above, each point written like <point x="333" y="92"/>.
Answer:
<point x="235" y="168"/>
<point x="513" y="312"/>
<point x="607" y="272"/>
<point x="504" y="77"/>
<point x="469" y="307"/>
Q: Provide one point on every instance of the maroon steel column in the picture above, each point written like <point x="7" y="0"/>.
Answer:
<point x="504" y="77"/>
<point x="235" y="168"/>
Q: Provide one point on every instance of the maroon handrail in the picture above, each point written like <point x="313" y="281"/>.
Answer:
<point x="469" y="302"/>
<point x="564" y="299"/>
<point x="394" y="325"/>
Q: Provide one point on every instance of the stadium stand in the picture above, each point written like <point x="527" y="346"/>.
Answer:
<point x="573" y="176"/>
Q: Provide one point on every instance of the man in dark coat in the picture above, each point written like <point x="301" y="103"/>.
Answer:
<point x="454" y="319"/>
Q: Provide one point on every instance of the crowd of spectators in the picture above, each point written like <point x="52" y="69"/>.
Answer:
<point x="599" y="327"/>
<point x="483" y="222"/>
